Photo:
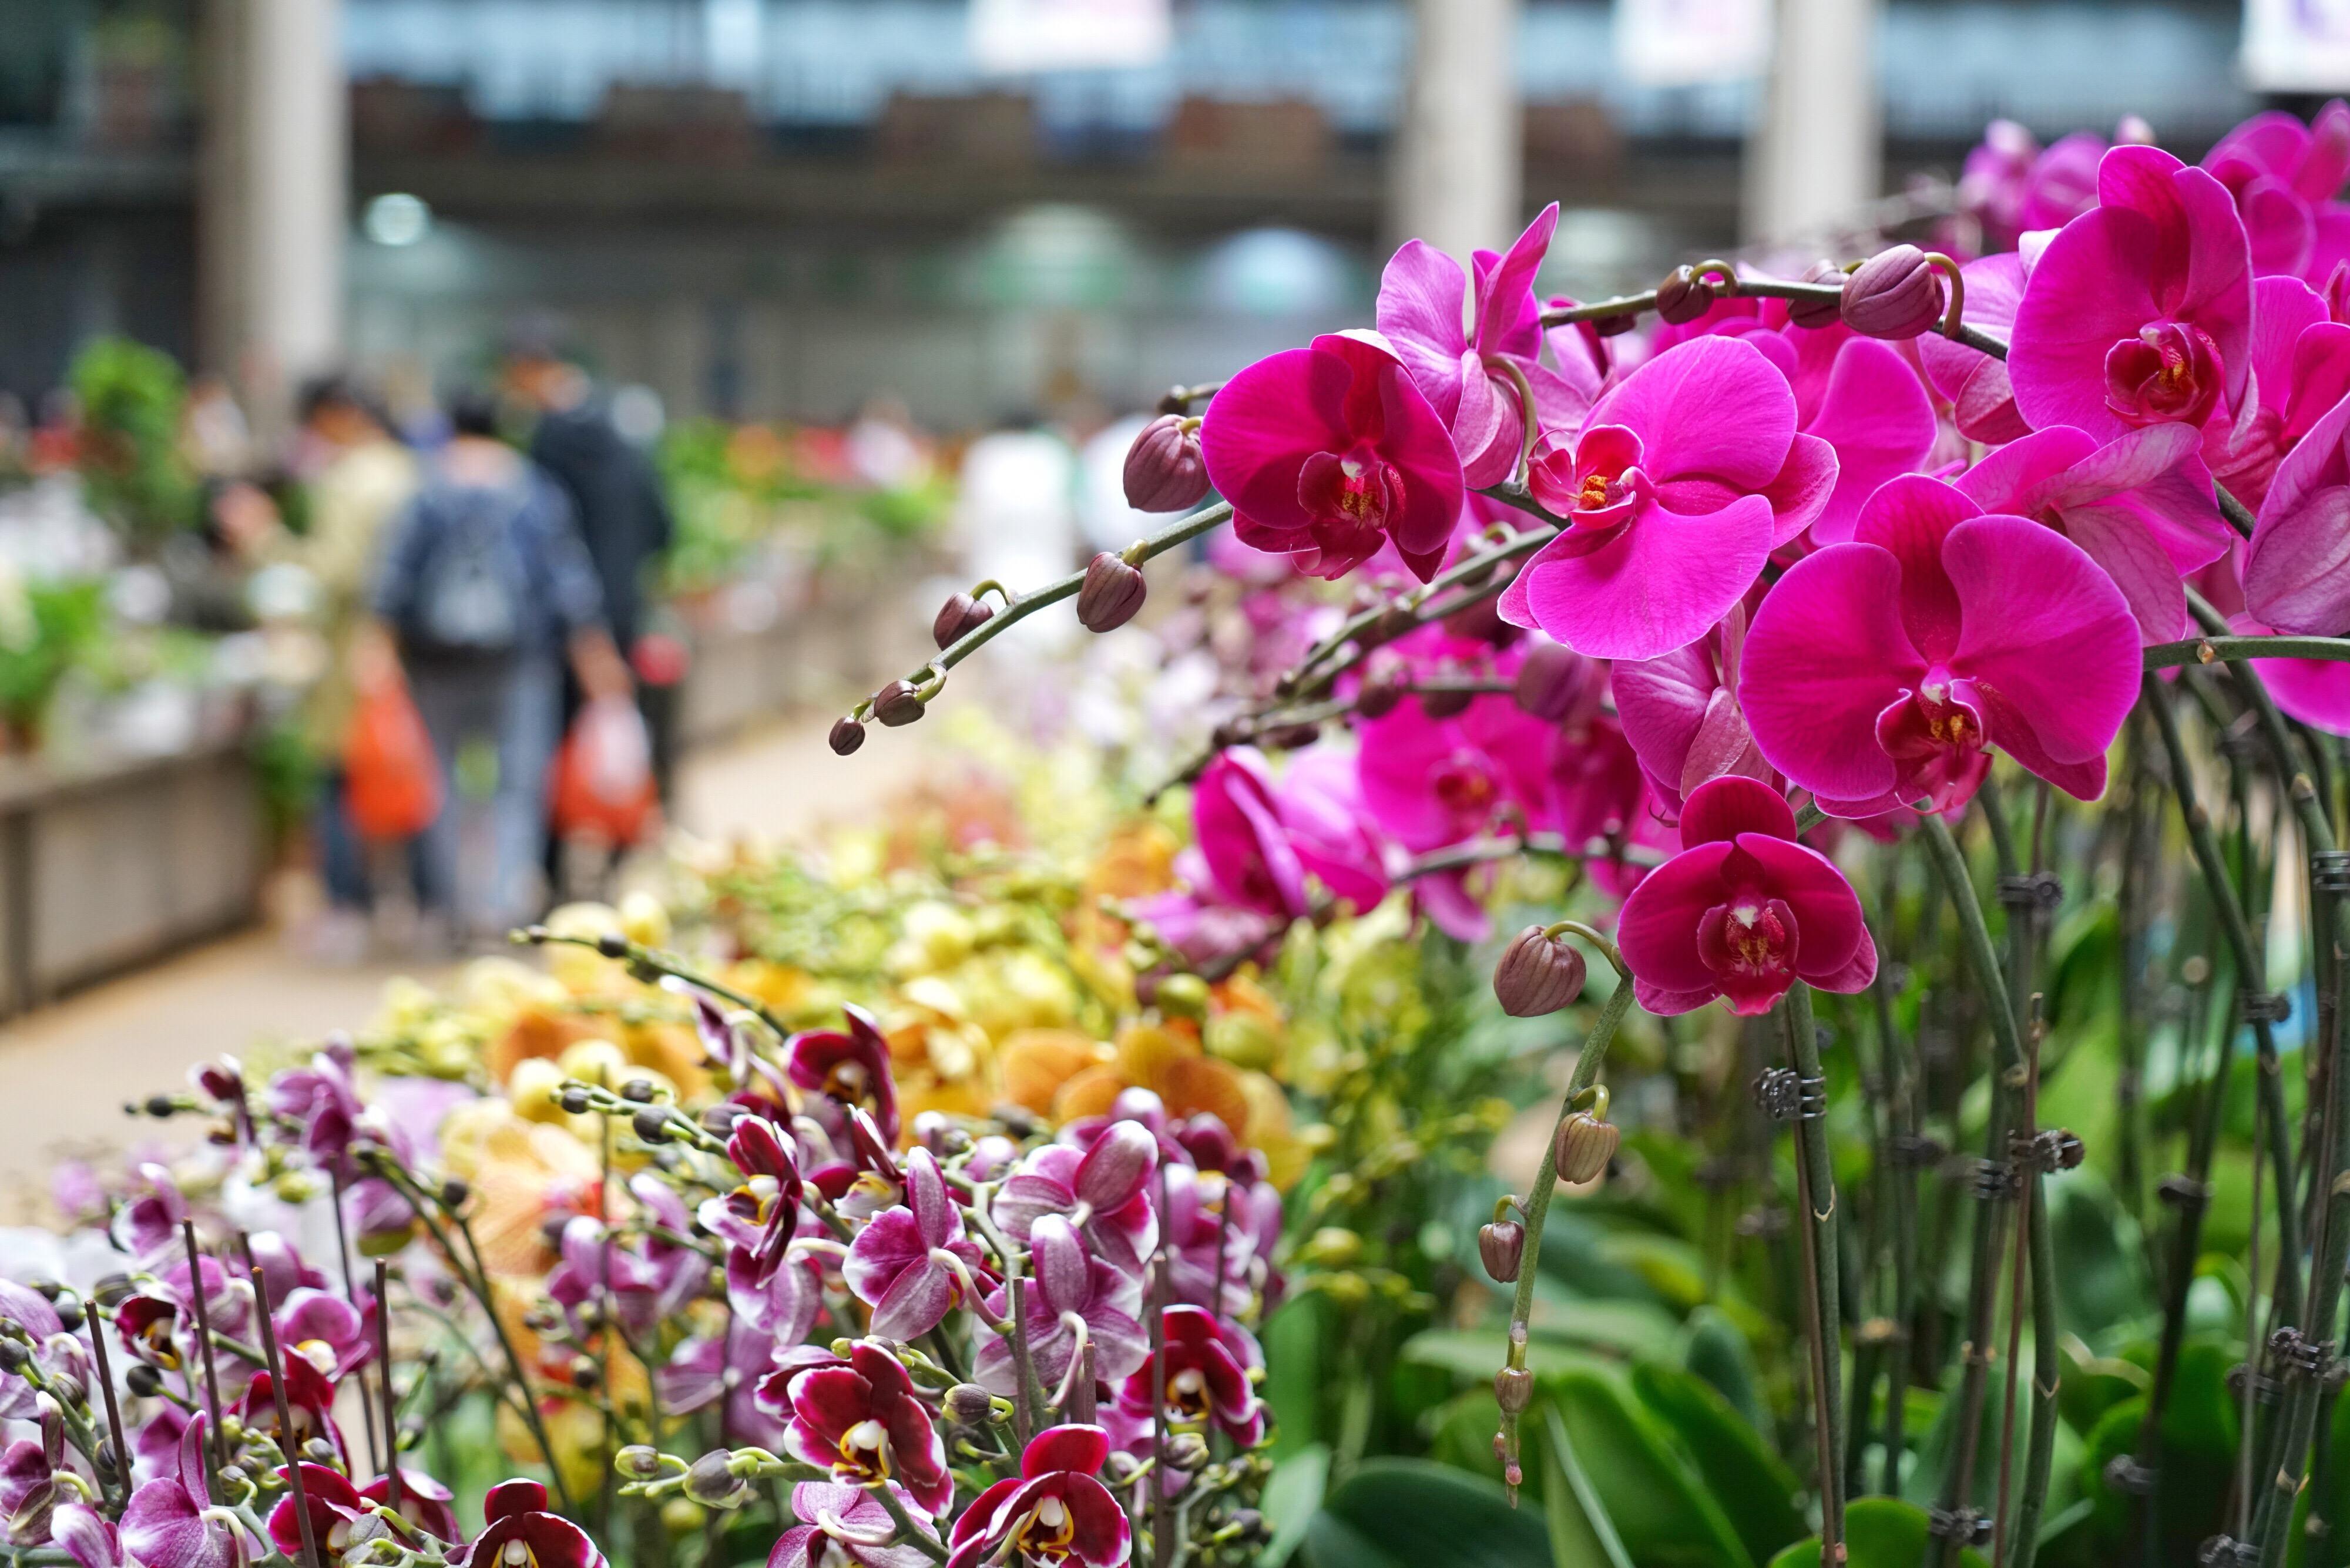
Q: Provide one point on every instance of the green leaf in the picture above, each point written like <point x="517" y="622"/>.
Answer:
<point x="1750" y="1481"/>
<point x="1581" y="1533"/>
<point x="1293" y="1386"/>
<point x="1878" y="1532"/>
<point x="1292" y="1495"/>
<point x="1664" y="1516"/>
<point x="1408" y="1513"/>
<point x="1713" y="1347"/>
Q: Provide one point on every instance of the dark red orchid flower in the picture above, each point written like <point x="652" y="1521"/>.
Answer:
<point x="862" y="1422"/>
<point x="762" y="1215"/>
<point x="852" y="1069"/>
<point x="1054" y="1511"/>
<point x="309" y="1399"/>
<point x="1207" y="1366"/>
<point x="423" y="1502"/>
<point x="519" y="1532"/>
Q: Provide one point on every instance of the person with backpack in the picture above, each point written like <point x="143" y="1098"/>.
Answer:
<point x="487" y="591"/>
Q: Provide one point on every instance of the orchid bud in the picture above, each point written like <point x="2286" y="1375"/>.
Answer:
<point x="1683" y="297"/>
<point x="1893" y="294"/>
<point x="846" y="735"/>
<point x="713" y="1483"/>
<point x="1538" y="975"/>
<point x="651" y="1124"/>
<point x="143" y="1380"/>
<point x="970" y="1405"/>
<point x="897" y="704"/>
<point x="1441" y="704"/>
<point x="1379" y="697"/>
<point x="1480" y="621"/>
<point x="1503" y="1246"/>
<point x="1164" y="469"/>
<point x="958" y="617"/>
<point x="637" y="1460"/>
<point x="1514" y="1389"/>
<point x="1293" y="737"/>
<point x="1113" y="591"/>
<point x="1814" y="314"/>
<point x="1182" y="996"/>
<point x="1186" y="1452"/>
<point x="1583" y="1146"/>
<point x="1548" y="681"/>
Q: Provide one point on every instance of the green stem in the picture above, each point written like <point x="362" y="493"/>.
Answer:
<point x="1815" y="1190"/>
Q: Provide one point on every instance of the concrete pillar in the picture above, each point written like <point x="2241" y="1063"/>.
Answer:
<point x="1816" y="156"/>
<point x="1454" y="176"/>
<point x="275" y="195"/>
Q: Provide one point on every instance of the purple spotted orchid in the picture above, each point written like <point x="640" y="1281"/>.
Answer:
<point x="172" y="1522"/>
<point x="1056" y="1511"/>
<point x="862" y="1420"/>
<point x="1075" y="1300"/>
<point x="519" y="1532"/>
<point x="1103" y="1191"/>
<point x="912" y="1264"/>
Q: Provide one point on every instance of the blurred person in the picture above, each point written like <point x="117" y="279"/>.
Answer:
<point x="1109" y="523"/>
<point x="213" y="433"/>
<point x="487" y="590"/>
<point x="1015" y="518"/>
<point x="616" y="496"/>
<point x="883" y="447"/>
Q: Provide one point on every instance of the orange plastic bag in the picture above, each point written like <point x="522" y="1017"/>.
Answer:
<point x="602" y="784"/>
<point x="392" y="779"/>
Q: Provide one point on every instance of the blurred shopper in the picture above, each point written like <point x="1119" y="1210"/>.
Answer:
<point x="615" y="494"/>
<point x="1110" y="522"/>
<point x="486" y="589"/>
<point x="1016" y="518"/>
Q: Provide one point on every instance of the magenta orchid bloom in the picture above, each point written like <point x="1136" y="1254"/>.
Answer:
<point x="863" y="1422"/>
<point x="1203" y="1253"/>
<point x="1073" y="1301"/>
<point x="2301" y="368"/>
<point x="2011" y="187"/>
<point x="1428" y="782"/>
<point x="326" y="1331"/>
<point x="423" y="1503"/>
<point x="762" y="1215"/>
<point x="1689" y="472"/>
<point x="847" y="1524"/>
<point x="702" y="1372"/>
<point x="1208" y="1365"/>
<point x="1681" y="713"/>
<point x="912" y="1264"/>
<point x="1329" y="453"/>
<point x="309" y="1400"/>
<point x="323" y="1100"/>
<point x="851" y="1069"/>
<point x="2140" y="506"/>
<point x="1103" y="1191"/>
<point x="86" y="1536"/>
<point x="518" y="1529"/>
<point x="1877" y="672"/>
<point x="170" y="1521"/>
<point x="1054" y="1511"/>
<point x="334" y="1505"/>
<point x="28" y="1477"/>
<point x="1981" y="394"/>
<point x="2284" y="176"/>
<point x="2297" y="567"/>
<point x="1259" y="842"/>
<point x="2140" y="311"/>
<point x="147" y="1326"/>
<point x="1744" y="912"/>
<point x="1467" y="376"/>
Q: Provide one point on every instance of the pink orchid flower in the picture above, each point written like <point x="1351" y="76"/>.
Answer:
<point x="850" y="1069"/>
<point x="1207" y="1366"/>
<point x="1877" y="672"/>
<point x="1681" y="713"/>
<point x="847" y="1524"/>
<point x="1073" y="1300"/>
<point x="2301" y="368"/>
<point x="2011" y="186"/>
<point x="1329" y="453"/>
<point x="327" y="1332"/>
<point x="1468" y="376"/>
<point x="1976" y="384"/>
<point x="2140" y="506"/>
<point x="863" y="1422"/>
<point x="309" y="1400"/>
<point x="86" y="1536"/>
<point x="912" y="1263"/>
<point x="334" y="1505"/>
<point x="170" y="1521"/>
<point x="1054" y="1511"/>
<point x="1744" y="912"/>
<point x="2284" y="176"/>
<point x="2139" y="311"/>
<point x="763" y="1214"/>
<point x="1689" y="472"/>
<point x="1428" y="782"/>
<point x="515" y="1514"/>
<point x="1103" y="1191"/>
<point x="2297" y="566"/>
<point x="1202" y="1252"/>
<point x="1259" y="842"/>
<point x="423" y="1502"/>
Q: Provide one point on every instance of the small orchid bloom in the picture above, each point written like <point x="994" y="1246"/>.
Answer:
<point x="1689" y="472"/>
<point x="913" y="1264"/>
<point x="1202" y="1252"/>
<point x="763" y="1214"/>
<point x="423" y="1503"/>
<point x="2140" y="506"/>
<point x="173" y="1522"/>
<point x="326" y="1331"/>
<point x="2011" y="187"/>
<point x="309" y="1400"/>
<point x="1744" y="912"/>
<point x="725" y="1047"/>
<point x="2297" y="566"/>
<point x="1877" y="672"/>
<point x="1103" y="1191"/>
<point x="2301" y="368"/>
<point x="228" y="1300"/>
<point x="29" y="1468"/>
<point x="1468" y="376"/>
<point x="848" y="1526"/>
<point x="864" y="1423"/>
<point x="1428" y="782"/>
<point x="1207" y="1366"/>
<point x="1054" y="1511"/>
<point x="2140" y="311"/>
<point x="86" y="1536"/>
<point x="1074" y="1301"/>
<point x="851" y="1069"/>
<point x="597" y="1268"/>
<point x="1329" y="453"/>
<point x="519" y="1532"/>
<point x="2284" y="176"/>
<point x="322" y="1100"/>
<point x="701" y="1372"/>
<point x="334" y="1505"/>
<point x="148" y="1227"/>
<point x="1981" y="396"/>
<point x="1259" y="842"/>
<point x="146" y="1326"/>
<point x="1681" y="713"/>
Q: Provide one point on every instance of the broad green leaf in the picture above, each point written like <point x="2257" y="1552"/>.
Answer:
<point x="1293" y="1341"/>
<point x="1410" y="1513"/>
<point x="1581" y="1533"/>
<point x="1292" y="1495"/>
<point x="1713" y="1347"/>
<point x="1664" y="1514"/>
<point x="1878" y="1532"/>
<point x="1756" y="1489"/>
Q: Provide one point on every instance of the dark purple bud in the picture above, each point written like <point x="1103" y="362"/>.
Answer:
<point x="1501" y="1245"/>
<point x="1584" y="1144"/>
<point x="1814" y="313"/>
<point x="1186" y="1452"/>
<point x="1537" y="975"/>
<point x="1514" y="1389"/>
<point x="1379" y="697"/>
<point x="1615" y="326"/>
<point x="713" y="1483"/>
<point x="1893" y="294"/>
<point x="1443" y="704"/>
<point x="958" y="617"/>
<point x="1482" y="622"/>
<point x="1113" y="591"/>
<point x="1683" y="296"/>
<point x="1164" y="470"/>
<point x="1293" y="737"/>
<point x="1549" y="681"/>
<point x="848" y="734"/>
<point x="897" y="704"/>
<point x="970" y="1405"/>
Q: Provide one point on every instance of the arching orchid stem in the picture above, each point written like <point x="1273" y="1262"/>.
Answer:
<point x="1822" y="1317"/>
<point x="2240" y="516"/>
<point x="2195" y="650"/>
<point x="637" y="956"/>
<point x="1597" y="938"/>
<point x="277" y="1368"/>
<point x="204" y="1347"/>
<point x="1954" y="315"/>
<point x="1536" y="1206"/>
<point x="908" y="1533"/>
